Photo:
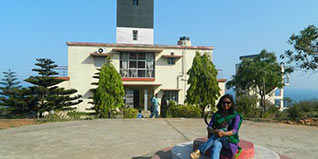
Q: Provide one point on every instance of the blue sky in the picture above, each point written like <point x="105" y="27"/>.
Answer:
<point x="31" y="29"/>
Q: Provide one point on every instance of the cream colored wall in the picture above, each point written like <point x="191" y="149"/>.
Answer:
<point x="81" y="69"/>
<point x="82" y="66"/>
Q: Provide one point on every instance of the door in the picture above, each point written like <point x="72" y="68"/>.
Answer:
<point x="136" y="98"/>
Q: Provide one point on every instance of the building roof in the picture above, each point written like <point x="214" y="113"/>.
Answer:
<point x="249" y="56"/>
<point x="139" y="45"/>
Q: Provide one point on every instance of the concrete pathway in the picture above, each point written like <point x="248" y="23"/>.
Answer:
<point x="141" y="138"/>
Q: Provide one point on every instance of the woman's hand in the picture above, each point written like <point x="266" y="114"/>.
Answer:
<point x="221" y="133"/>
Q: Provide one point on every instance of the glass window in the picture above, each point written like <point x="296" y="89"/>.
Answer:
<point x="141" y="64"/>
<point x="171" y="61"/>
<point x="135" y="34"/>
<point x="141" y="55"/>
<point x="132" y="64"/>
<point x="137" y="64"/>
<point x="141" y="73"/>
<point x="171" y="95"/>
<point x="135" y="2"/>
<point x="132" y="55"/>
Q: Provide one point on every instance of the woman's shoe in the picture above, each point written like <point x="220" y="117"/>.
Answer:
<point x="195" y="154"/>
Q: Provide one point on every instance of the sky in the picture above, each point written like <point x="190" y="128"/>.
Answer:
<point x="31" y="29"/>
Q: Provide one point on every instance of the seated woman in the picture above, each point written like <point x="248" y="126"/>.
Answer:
<point x="224" y="127"/>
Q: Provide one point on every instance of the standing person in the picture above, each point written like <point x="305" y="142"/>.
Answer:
<point x="164" y="107"/>
<point x="224" y="127"/>
<point x="154" y="104"/>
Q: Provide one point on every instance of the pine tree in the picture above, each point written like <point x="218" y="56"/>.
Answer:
<point x="9" y="88"/>
<point x="45" y="89"/>
<point x="204" y="89"/>
<point x="110" y="91"/>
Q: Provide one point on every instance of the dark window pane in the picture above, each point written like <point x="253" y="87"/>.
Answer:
<point x="135" y="2"/>
<point x="141" y="73"/>
<point x="171" y="61"/>
<point x="141" y="55"/>
<point x="132" y="64"/>
<point x="141" y="64"/>
<point x="133" y="55"/>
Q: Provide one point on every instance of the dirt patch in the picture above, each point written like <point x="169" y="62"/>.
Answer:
<point x="9" y="123"/>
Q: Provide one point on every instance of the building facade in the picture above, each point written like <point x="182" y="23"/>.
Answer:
<point x="146" y="69"/>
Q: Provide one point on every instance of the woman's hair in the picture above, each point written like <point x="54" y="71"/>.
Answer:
<point x="230" y="97"/>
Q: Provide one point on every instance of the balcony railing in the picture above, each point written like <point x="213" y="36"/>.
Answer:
<point x="61" y="70"/>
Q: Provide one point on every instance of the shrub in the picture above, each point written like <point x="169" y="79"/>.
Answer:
<point x="130" y="112"/>
<point x="183" y="111"/>
<point x="272" y="112"/>
<point x="295" y="112"/>
<point x="247" y="106"/>
<point x="52" y="118"/>
<point x="76" y="115"/>
<point x="303" y="109"/>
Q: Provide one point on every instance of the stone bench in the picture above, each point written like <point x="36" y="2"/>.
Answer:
<point x="246" y="153"/>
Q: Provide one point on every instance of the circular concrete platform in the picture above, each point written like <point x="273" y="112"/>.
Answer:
<point x="182" y="151"/>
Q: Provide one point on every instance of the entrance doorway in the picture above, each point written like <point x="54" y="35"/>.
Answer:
<point x="136" y="98"/>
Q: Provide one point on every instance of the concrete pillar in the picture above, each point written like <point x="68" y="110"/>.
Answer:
<point x="146" y="99"/>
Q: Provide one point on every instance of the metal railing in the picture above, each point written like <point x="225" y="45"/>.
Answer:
<point x="61" y="70"/>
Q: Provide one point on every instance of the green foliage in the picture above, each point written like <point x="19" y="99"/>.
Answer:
<point x="15" y="102"/>
<point x="247" y="106"/>
<point x="295" y="112"/>
<point x="305" y="50"/>
<point x="76" y="114"/>
<point x="21" y="104"/>
<point x="272" y="112"/>
<point x="303" y="109"/>
<point x="46" y="93"/>
<point x="262" y="73"/>
<point x="287" y="102"/>
<point x="52" y="118"/>
<point x="204" y="89"/>
<point x="130" y="112"/>
<point x="9" y="86"/>
<point x="110" y="91"/>
<point x="183" y="111"/>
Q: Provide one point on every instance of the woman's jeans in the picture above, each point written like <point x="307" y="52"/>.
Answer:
<point x="154" y="113"/>
<point x="215" y="143"/>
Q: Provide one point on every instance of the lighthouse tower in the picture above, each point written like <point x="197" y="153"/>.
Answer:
<point x="135" y="21"/>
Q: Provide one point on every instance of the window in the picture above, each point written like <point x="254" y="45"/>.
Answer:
<point x="171" y="61"/>
<point x="135" y="2"/>
<point x="171" y="95"/>
<point x="135" y="34"/>
<point x="137" y="64"/>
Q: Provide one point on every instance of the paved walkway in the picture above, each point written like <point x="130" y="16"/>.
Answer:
<point x="140" y="138"/>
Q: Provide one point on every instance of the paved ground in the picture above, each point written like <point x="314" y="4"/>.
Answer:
<point x="140" y="138"/>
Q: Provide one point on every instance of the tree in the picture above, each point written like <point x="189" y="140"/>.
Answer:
<point x="47" y="93"/>
<point x="110" y="91"/>
<point x="262" y="74"/>
<point x="8" y="90"/>
<point x="204" y="89"/>
<point x="305" y="50"/>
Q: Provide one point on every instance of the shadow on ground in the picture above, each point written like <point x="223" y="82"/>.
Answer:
<point x="162" y="154"/>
